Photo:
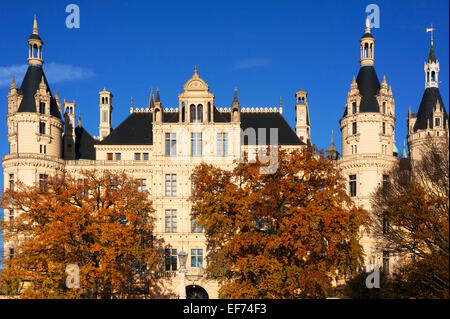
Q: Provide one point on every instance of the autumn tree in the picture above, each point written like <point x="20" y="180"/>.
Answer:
<point x="97" y="221"/>
<point x="411" y="219"/>
<point x="287" y="234"/>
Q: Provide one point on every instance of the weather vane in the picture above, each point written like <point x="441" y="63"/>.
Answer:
<point x="431" y="30"/>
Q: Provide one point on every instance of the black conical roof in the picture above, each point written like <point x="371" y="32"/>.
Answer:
<point x="30" y="85"/>
<point x="425" y="112"/>
<point x="368" y="86"/>
<point x="431" y="55"/>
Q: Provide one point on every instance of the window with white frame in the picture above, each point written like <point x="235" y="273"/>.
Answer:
<point x="171" y="184"/>
<point x="171" y="144"/>
<point x="171" y="221"/>
<point x="197" y="258"/>
<point x="222" y="144"/>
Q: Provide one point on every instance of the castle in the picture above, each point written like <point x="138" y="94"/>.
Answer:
<point x="161" y="146"/>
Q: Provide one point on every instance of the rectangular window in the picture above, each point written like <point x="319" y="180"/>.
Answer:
<point x="118" y="156"/>
<point x="222" y="144"/>
<point x="145" y="156"/>
<point x="42" y="107"/>
<point x="194" y="228"/>
<point x="384" y="128"/>
<point x="109" y="156"/>
<point x="196" y="257"/>
<point x="11" y="253"/>
<point x="171" y="184"/>
<point x="384" y="107"/>
<point x="43" y="179"/>
<point x="142" y="184"/>
<point x="437" y="121"/>
<point x="171" y="259"/>
<point x="11" y="215"/>
<point x="354" y="129"/>
<point x="386" y="262"/>
<point x="137" y="156"/>
<point x="196" y="144"/>
<point x="171" y="221"/>
<point x="352" y="185"/>
<point x="42" y="127"/>
<point x="11" y="182"/>
<point x="171" y="144"/>
<point x="354" y="108"/>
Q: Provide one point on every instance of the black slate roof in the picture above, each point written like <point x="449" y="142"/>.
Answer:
<point x="367" y="35"/>
<point x="84" y="144"/>
<point x="136" y="129"/>
<point x="35" y="37"/>
<point x="368" y="86"/>
<point x="30" y="85"/>
<point x="425" y="113"/>
<point x="286" y="136"/>
<point x="431" y="55"/>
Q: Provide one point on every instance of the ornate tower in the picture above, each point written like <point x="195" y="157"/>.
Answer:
<point x="368" y="133"/>
<point x="302" y="127"/>
<point x="32" y="109"/>
<point x="69" y="130"/>
<point x="105" y="113"/>
<point x="431" y="120"/>
<point x="34" y="128"/>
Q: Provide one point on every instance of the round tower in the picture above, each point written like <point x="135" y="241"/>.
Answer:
<point x="34" y="123"/>
<point x="368" y="136"/>
<point x="430" y="123"/>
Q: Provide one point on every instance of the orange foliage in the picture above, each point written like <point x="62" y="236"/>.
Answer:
<point x="281" y="235"/>
<point x="103" y="225"/>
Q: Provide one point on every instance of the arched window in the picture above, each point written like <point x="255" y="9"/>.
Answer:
<point x="200" y="113"/>
<point x="366" y="50"/>
<point x="433" y="76"/>
<point x="428" y="76"/>
<point x="103" y="100"/>
<point x="192" y="108"/>
<point x="35" y="51"/>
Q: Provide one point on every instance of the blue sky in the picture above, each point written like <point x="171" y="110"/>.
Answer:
<point x="266" y="49"/>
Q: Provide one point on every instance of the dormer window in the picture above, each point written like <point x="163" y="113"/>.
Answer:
<point x="437" y="121"/>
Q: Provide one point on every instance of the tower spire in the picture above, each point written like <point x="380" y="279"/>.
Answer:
<point x="35" y="46"/>
<point x="151" y="104"/>
<point x="157" y="99"/>
<point x="35" y="27"/>
<point x="367" y="24"/>
<point x="367" y="46"/>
